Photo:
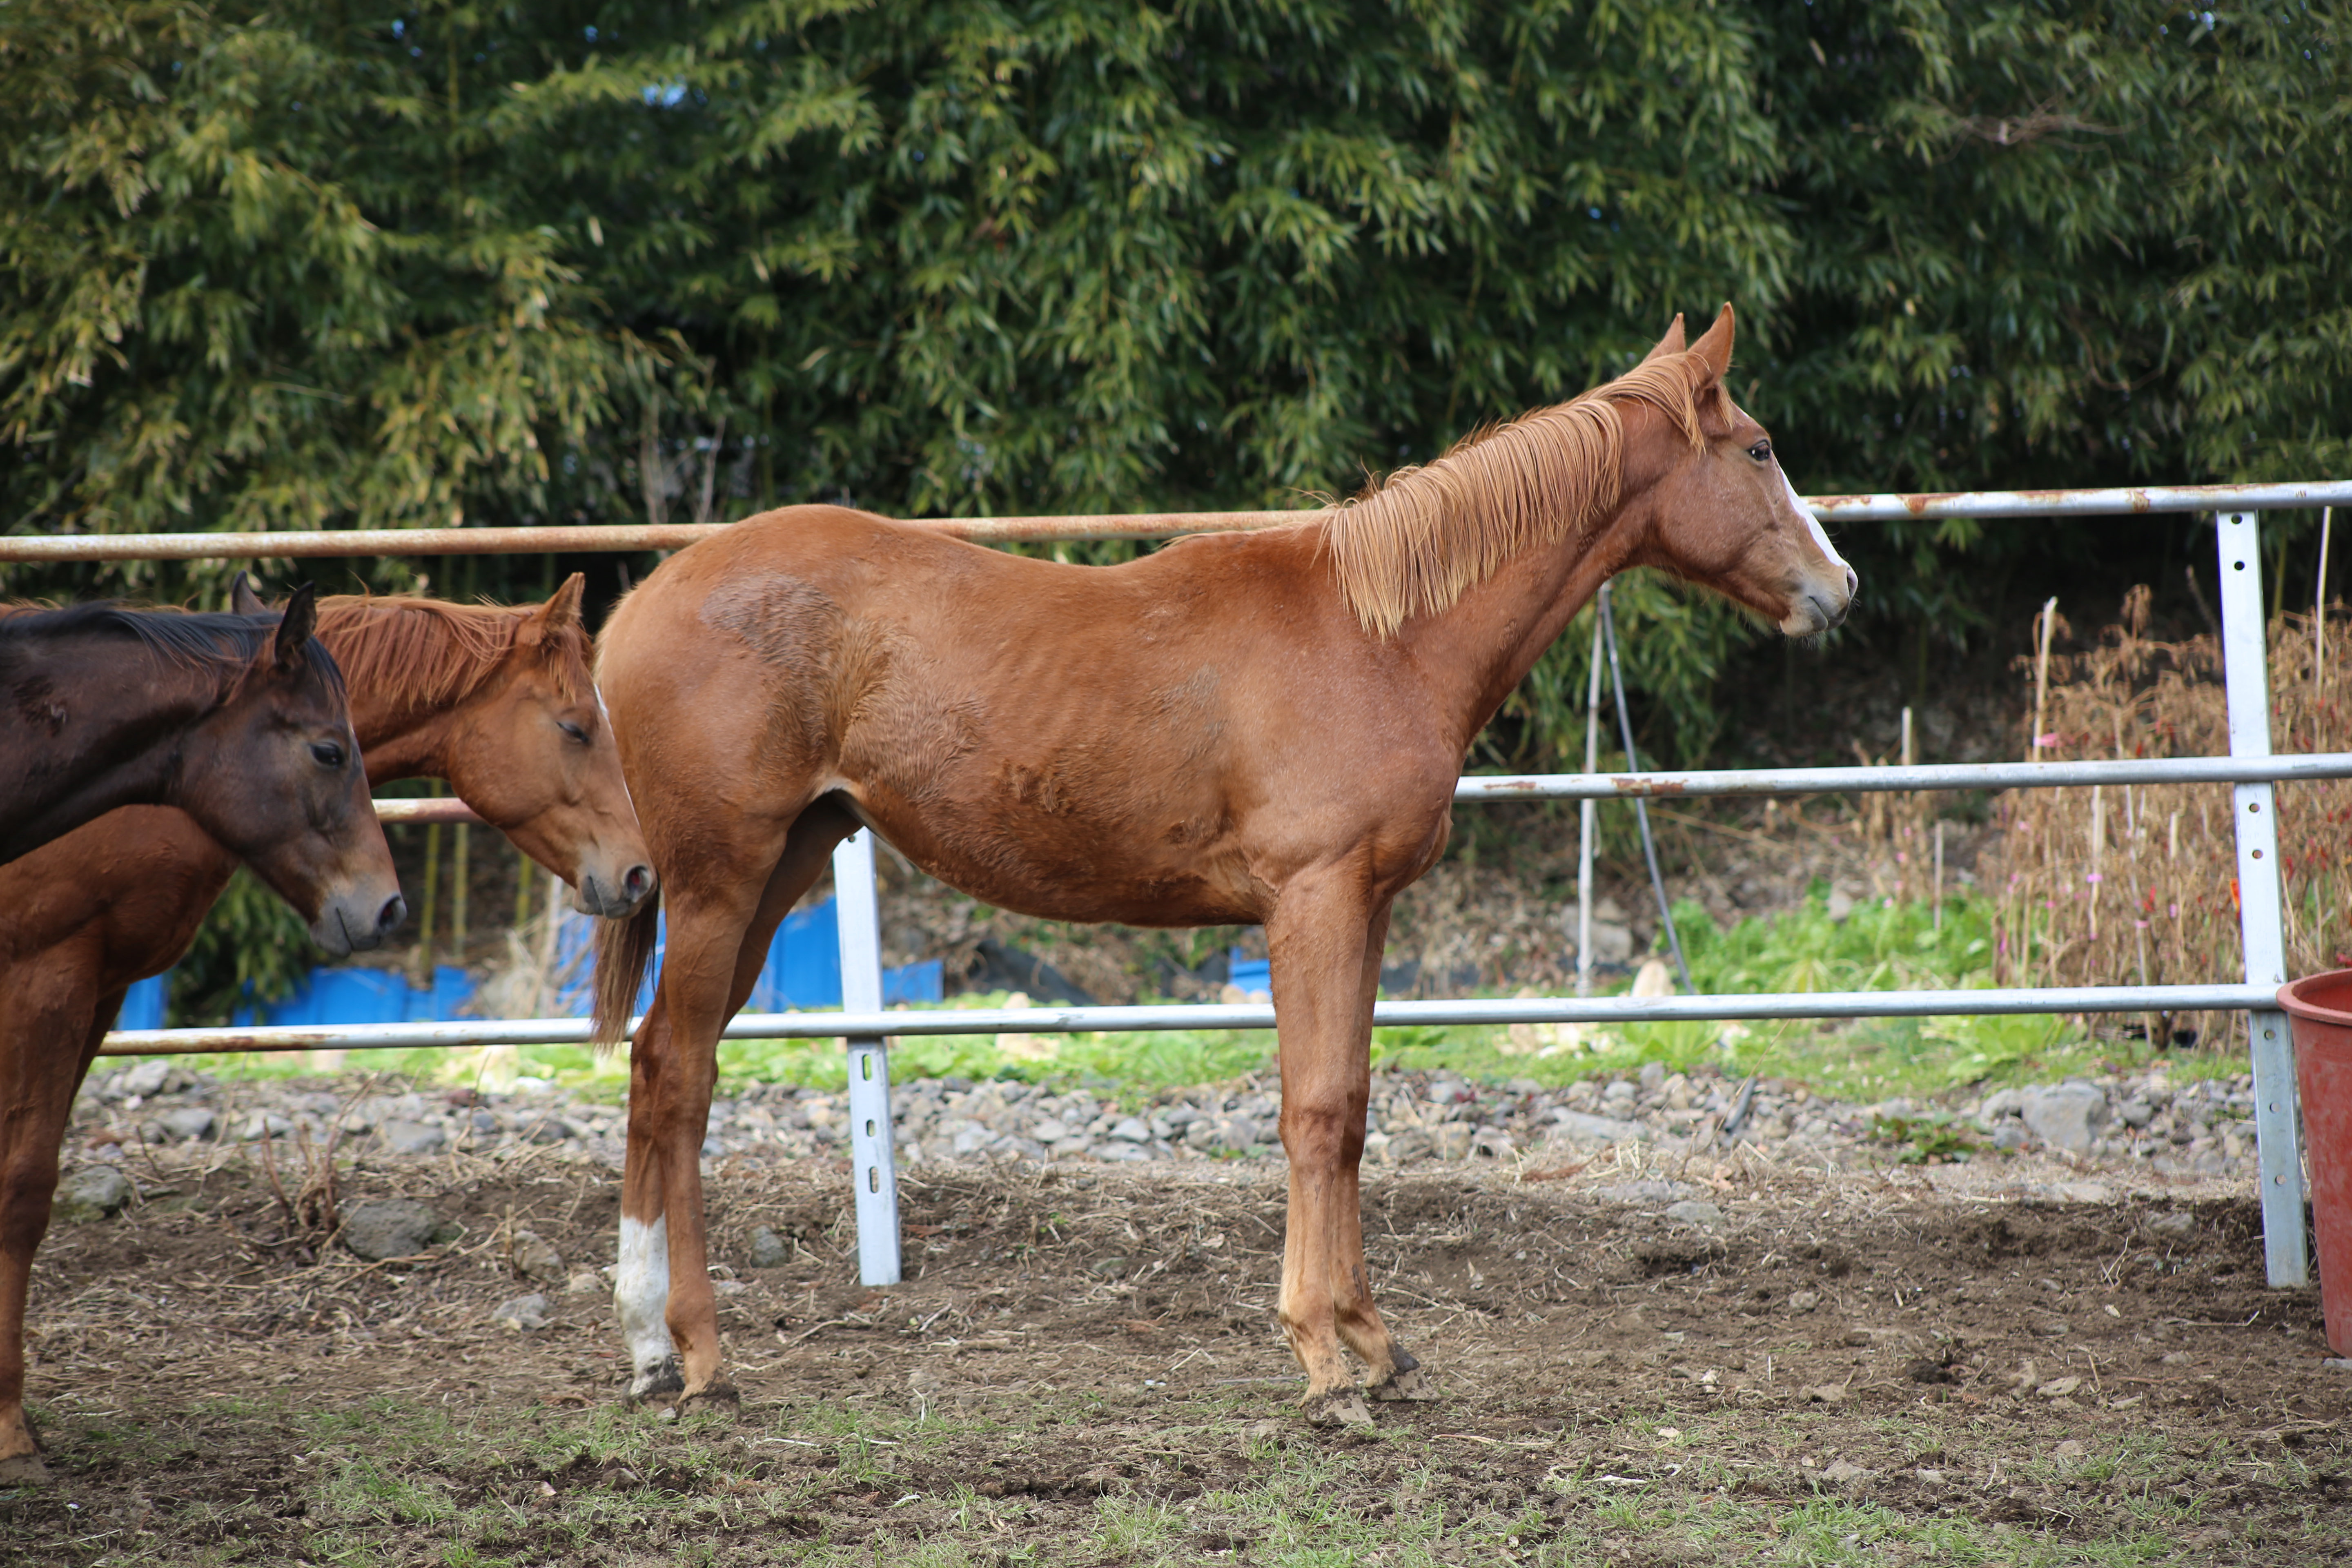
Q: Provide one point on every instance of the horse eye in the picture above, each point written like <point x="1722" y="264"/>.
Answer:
<point x="1761" y="451"/>
<point x="575" y="731"/>
<point x="328" y="754"/>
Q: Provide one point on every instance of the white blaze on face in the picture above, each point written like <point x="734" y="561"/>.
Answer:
<point x="641" y="1295"/>
<point x="1811" y="522"/>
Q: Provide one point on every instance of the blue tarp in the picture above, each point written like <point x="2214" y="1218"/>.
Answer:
<point x="803" y="971"/>
<point x="142" y="1004"/>
<point x="369" y="996"/>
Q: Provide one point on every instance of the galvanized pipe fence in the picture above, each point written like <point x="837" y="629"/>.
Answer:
<point x="2251" y="769"/>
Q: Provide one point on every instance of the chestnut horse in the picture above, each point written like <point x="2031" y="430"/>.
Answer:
<point x="240" y="721"/>
<point x="1254" y="728"/>
<point x="498" y="701"/>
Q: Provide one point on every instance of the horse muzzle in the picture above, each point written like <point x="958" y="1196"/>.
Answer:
<point x="615" y="896"/>
<point x="357" y="923"/>
<point x="1815" y="608"/>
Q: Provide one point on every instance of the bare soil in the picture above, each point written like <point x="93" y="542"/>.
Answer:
<point x="1969" y="1345"/>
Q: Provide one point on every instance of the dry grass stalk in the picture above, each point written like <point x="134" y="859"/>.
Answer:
<point x="2136" y="885"/>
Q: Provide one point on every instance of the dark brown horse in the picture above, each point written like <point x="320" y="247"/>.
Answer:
<point x="498" y="701"/>
<point x="239" y="720"/>
<point x="1240" y="729"/>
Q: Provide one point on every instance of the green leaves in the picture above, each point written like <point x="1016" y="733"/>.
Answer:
<point x="300" y="268"/>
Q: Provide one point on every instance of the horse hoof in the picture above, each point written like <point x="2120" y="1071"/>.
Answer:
<point x="1405" y="1383"/>
<point x="721" y="1398"/>
<point x="656" y="1385"/>
<point x="23" y="1470"/>
<point x="1340" y="1407"/>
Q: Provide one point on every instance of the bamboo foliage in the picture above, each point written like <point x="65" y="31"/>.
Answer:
<point x="2136" y="885"/>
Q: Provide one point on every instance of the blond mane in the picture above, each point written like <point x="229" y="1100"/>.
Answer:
<point x="432" y="653"/>
<point x="1412" y="543"/>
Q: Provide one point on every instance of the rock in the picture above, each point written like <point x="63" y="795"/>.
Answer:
<point x="768" y="1250"/>
<point x="389" y="1227"/>
<point x="1051" y="1130"/>
<point x="522" y="1314"/>
<point x="535" y="1258"/>
<point x="1653" y="979"/>
<point x="2058" y="1387"/>
<point x="147" y="1079"/>
<point x="1118" y="1150"/>
<point x="1651" y="1191"/>
<point x="1841" y="904"/>
<point x="1842" y="1472"/>
<point x="2067" y="1117"/>
<point x="1696" y="1212"/>
<point x="1577" y="1126"/>
<point x="1612" y="942"/>
<point x="1999" y="1103"/>
<point x="585" y="1283"/>
<point x="2174" y="1224"/>
<point x="188" y="1123"/>
<point x="1825" y="1394"/>
<point x="1131" y="1130"/>
<point x="1493" y="1144"/>
<point x="266" y="1124"/>
<point x="1236" y="1133"/>
<point x="2136" y="1112"/>
<point x="413" y="1137"/>
<point x="2008" y="1135"/>
<point x="93" y="1193"/>
<point x="1452" y="1141"/>
<point x="1803" y="1300"/>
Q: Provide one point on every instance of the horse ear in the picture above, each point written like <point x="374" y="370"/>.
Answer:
<point x="294" y="630"/>
<point x="1672" y="343"/>
<point x="561" y="611"/>
<point x="1714" y="349"/>
<point x="243" y="600"/>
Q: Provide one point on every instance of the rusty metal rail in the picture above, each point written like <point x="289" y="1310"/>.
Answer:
<point x="571" y="539"/>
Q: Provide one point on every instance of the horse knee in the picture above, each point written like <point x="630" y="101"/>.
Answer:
<point x="1322" y="1134"/>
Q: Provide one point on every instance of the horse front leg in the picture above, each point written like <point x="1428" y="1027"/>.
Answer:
<point x="43" y="1020"/>
<point x="718" y="946"/>
<point x="1324" y="938"/>
<point x="1394" y="1372"/>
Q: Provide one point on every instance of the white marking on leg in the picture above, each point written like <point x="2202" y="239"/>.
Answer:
<point x="641" y="1298"/>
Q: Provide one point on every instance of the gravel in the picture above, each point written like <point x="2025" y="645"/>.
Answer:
<point x="2204" y="1128"/>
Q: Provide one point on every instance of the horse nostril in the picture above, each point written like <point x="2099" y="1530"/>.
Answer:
<point x="388" y="919"/>
<point x="1852" y="582"/>
<point x="638" y="882"/>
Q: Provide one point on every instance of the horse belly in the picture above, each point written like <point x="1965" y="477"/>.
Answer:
<point x="1173" y="872"/>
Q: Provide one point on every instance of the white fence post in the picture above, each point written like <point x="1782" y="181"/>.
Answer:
<point x="872" y="1172"/>
<point x="2245" y="659"/>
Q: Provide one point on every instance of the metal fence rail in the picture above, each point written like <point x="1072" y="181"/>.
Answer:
<point x="903" y="1023"/>
<point x="2250" y="769"/>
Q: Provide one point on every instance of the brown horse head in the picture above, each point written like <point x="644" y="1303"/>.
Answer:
<point x="1724" y="514"/>
<point x="276" y="779"/>
<point x="501" y="702"/>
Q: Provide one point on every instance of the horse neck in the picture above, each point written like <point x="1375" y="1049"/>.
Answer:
<point x="134" y="731"/>
<point x="405" y="732"/>
<point x="1478" y="650"/>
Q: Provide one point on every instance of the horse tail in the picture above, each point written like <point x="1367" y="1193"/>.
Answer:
<point x="623" y="949"/>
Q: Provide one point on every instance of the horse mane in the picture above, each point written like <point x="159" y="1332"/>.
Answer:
<point x="217" y="644"/>
<point x="432" y="653"/>
<point x="1415" y="542"/>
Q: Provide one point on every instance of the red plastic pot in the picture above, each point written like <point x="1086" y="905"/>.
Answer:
<point x="2321" y="1008"/>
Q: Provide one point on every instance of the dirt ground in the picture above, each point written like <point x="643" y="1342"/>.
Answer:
<point x="2001" y="1362"/>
